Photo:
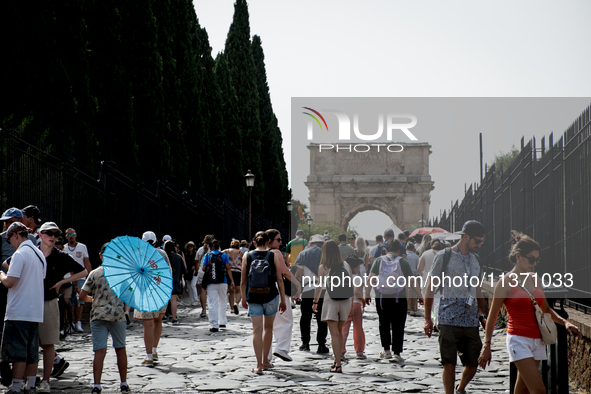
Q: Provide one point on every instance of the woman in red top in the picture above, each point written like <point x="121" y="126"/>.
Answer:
<point x="524" y="344"/>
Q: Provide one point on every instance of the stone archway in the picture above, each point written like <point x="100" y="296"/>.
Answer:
<point x="345" y="182"/>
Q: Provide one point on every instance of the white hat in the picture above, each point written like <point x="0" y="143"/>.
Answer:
<point x="49" y="226"/>
<point x="149" y="236"/>
<point x="166" y="238"/>
<point x="316" y="238"/>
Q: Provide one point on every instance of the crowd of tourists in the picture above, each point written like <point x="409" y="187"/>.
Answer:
<point x="46" y="281"/>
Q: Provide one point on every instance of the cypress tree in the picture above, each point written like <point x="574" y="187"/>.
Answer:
<point x="243" y="76"/>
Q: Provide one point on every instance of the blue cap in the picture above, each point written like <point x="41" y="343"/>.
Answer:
<point x="12" y="213"/>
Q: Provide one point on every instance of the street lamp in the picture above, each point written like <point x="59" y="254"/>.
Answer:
<point x="289" y="220"/>
<point x="309" y="220"/>
<point x="249" y="178"/>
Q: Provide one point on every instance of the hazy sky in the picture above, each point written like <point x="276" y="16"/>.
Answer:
<point x="345" y="48"/>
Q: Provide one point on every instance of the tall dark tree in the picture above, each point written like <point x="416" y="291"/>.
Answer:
<point x="243" y="76"/>
<point x="272" y="158"/>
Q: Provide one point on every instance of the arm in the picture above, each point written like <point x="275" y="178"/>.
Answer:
<point x="8" y="281"/>
<point x="570" y="328"/>
<point x="428" y="325"/>
<point x="481" y="305"/>
<point x="500" y="294"/>
<point x="321" y="278"/>
<point x="368" y="289"/>
<point x="229" y="273"/>
<point x="72" y="278"/>
<point x="87" y="264"/>
<point x="421" y="266"/>
<point x="282" y="304"/>
<point x="84" y="297"/>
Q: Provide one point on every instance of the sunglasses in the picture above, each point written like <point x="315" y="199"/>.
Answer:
<point x="478" y="241"/>
<point x="70" y="234"/>
<point x="51" y="233"/>
<point x="532" y="259"/>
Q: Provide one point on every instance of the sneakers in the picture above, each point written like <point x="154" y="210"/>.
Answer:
<point x="78" y="327"/>
<point x="222" y="326"/>
<point x="361" y="356"/>
<point x="304" y="347"/>
<point x="44" y="387"/>
<point x="282" y="355"/>
<point x="59" y="368"/>
<point x="385" y="354"/>
<point x="396" y="358"/>
<point x="322" y="349"/>
<point x="32" y="390"/>
<point x="11" y="391"/>
<point x="148" y="361"/>
<point x="236" y="312"/>
<point x="213" y="329"/>
<point x="203" y="314"/>
<point x="459" y="392"/>
<point x="175" y="321"/>
<point x="96" y="390"/>
<point x="155" y="356"/>
<point x="164" y="318"/>
<point x="125" y="389"/>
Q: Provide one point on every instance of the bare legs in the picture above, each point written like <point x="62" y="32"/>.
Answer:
<point x="262" y="337"/>
<point x="449" y="377"/>
<point x="336" y="335"/>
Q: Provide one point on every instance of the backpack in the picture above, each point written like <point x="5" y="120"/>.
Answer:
<point x="382" y="250"/>
<point x="214" y="270"/>
<point x="259" y="275"/>
<point x="390" y="271"/>
<point x="343" y="288"/>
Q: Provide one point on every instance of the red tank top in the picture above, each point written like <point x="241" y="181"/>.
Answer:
<point x="521" y="312"/>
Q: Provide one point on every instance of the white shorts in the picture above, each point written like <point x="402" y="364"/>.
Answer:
<point x="523" y="347"/>
<point x="200" y="276"/>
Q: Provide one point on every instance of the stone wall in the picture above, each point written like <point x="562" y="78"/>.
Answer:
<point x="579" y="352"/>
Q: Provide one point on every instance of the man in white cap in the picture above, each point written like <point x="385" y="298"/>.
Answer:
<point x="24" y="311"/>
<point x="79" y="252"/>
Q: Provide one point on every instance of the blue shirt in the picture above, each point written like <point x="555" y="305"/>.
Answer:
<point x="225" y="260"/>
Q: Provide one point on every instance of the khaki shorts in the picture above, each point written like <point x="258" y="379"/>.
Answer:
<point x="335" y="310"/>
<point x="49" y="330"/>
<point x="462" y="341"/>
<point x="67" y="292"/>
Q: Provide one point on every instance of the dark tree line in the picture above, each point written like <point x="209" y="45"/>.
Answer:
<point x="135" y="82"/>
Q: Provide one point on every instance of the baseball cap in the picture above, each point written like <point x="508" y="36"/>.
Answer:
<point x="406" y="233"/>
<point x="316" y="238"/>
<point x="389" y="233"/>
<point x="11" y="213"/>
<point x="16" y="227"/>
<point x="149" y="236"/>
<point x="300" y="232"/>
<point x="473" y="228"/>
<point x="32" y="211"/>
<point x="166" y="238"/>
<point x="49" y="226"/>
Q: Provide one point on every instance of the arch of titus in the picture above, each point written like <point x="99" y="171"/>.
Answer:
<point x="344" y="183"/>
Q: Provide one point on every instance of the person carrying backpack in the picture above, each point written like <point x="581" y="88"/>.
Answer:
<point x="261" y="286"/>
<point x="337" y="299"/>
<point x="216" y="268"/>
<point x="393" y="274"/>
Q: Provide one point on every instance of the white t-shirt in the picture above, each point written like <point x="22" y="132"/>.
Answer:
<point x="25" y="298"/>
<point x="78" y="253"/>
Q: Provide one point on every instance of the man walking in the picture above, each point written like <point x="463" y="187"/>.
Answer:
<point x="460" y="308"/>
<point x="79" y="252"/>
<point x="307" y="274"/>
<point x="345" y="249"/>
<point x="107" y="316"/>
<point x="24" y="311"/>
<point x="294" y="247"/>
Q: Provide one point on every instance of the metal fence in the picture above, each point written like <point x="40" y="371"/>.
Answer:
<point x="545" y="193"/>
<point x="110" y="204"/>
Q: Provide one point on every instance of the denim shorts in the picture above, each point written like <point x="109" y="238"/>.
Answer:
<point x="268" y="309"/>
<point x="100" y="331"/>
<point x="20" y="342"/>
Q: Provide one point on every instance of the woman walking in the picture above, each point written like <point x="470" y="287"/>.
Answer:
<point x="356" y="314"/>
<point x="198" y="262"/>
<point x="334" y="312"/>
<point x="259" y="290"/>
<point x="361" y="252"/>
<point x="235" y="256"/>
<point x="216" y="264"/>
<point x="178" y="270"/>
<point x="192" y="269"/>
<point x="524" y="344"/>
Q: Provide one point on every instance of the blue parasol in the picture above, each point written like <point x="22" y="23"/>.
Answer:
<point x="137" y="273"/>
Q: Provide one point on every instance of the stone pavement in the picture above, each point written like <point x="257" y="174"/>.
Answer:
<point x="193" y="360"/>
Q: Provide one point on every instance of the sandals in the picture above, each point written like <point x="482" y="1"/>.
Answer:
<point x="257" y="371"/>
<point x="336" y="368"/>
<point x="268" y="366"/>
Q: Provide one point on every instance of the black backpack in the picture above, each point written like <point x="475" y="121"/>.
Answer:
<point x="343" y="287"/>
<point x="214" y="270"/>
<point x="259" y="275"/>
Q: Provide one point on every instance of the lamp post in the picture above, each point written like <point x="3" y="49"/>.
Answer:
<point x="309" y="220"/>
<point x="249" y="178"/>
<point x="289" y="220"/>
